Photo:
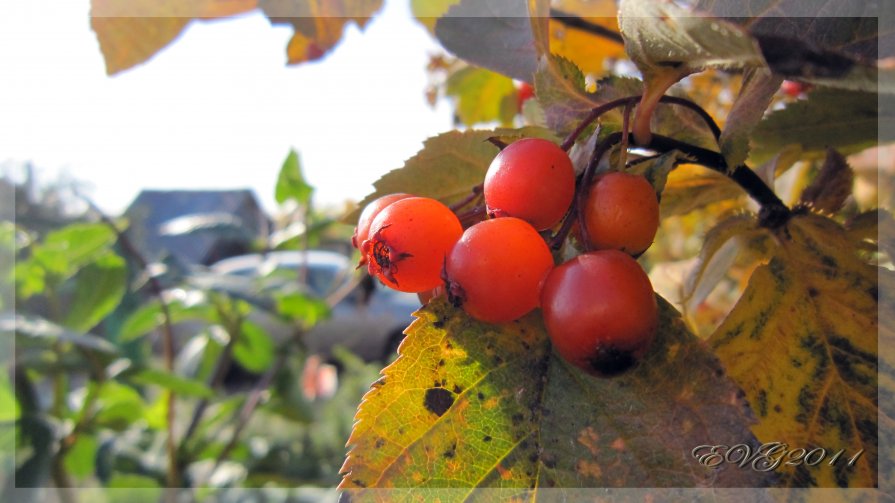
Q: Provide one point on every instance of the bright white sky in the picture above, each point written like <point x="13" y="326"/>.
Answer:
<point x="218" y="108"/>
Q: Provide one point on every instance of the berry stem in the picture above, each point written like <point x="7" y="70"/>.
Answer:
<point x="474" y="194"/>
<point x="587" y="179"/>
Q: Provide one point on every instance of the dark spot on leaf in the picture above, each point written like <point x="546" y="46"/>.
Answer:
<point x="379" y="443"/>
<point x="524" y="445"/>
<point x="778" y="409"/>
<point x="448" y="345"/>
<point x="803" y="478"/>
<point x="517" y="419"/>
<point x="551" y="483"/>
<point x="526" y="345"/>
<point x="441" y="362"/>
<point x="806" y="402"/>
<point x="812" y="292"/>
<point x="444" y="382"/>
<point x="762" y="403"/>
<point x="451" y="452"/>
<point x="549" y="461"/>
<point x="359" y="483"/>
<point x="378" y="383"/>
<point x="438" y="323"/>
<point x="458" y="389"/>
<point x="497" y="359"/>
<point x="533" y="457"/>
<point x="480" y="395"/>
<point x="874" y="292"/>
<point x="486" y="438"/>
<point x="608" y="362"/>
<point x="438" y="400"/>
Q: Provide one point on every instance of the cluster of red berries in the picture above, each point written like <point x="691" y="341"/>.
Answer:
<point x="599" y="308"/>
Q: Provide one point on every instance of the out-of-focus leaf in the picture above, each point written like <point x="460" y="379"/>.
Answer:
<point x="66" y="250"/>
<point x="480" y="94"/>
<point x="832" y="185"/>
<point x="149" y="317"/>
<point x="759" y="86"/>
<point x="484" y="406"/>
<point x="876" y="226"/>
<point x="496" y="35"/>
<point x="427" y="12"/>
<point x="690" y="187"/>
<point x="132" y="488"/>
<point x="178" y="384"/>
<point x="318" y="24"/>
<point x="656" y="170"/>
<point x="80" y="460"/>
<point x="448" y="166"/>
<point x="9" y="406"/>
<point x="119" y="406"/>
<point x="296" y="306"/>
<point x="130" y="32"/>
<point x="34" y="331"/>
<point x="254" y="349"/>
<point x="719" y="251"/>
<point x="802" y="343"/>
<point x="291" y="182"/>
<point x="589" y="51"/>
<point x="99" y="288"/>
<point x="848" y="121"/>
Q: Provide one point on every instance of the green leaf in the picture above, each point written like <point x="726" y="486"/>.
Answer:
<point x="100" y="286"/>
<point x="254" y="349"/>
<point x="448" y="166"/>
<point x="150" y="316"/>
<point x="175" y="383"/>
<point x="120" y="406"/>
<point x="802" y="343"/>
<point x="299" y="307"/>
<point x="480" y="94"/>
<point x="34" y="331"/>
<point x="9" y="405"/>
<point x="759" y="87"/>
<point x="133" y="488"/>
<point x="496" y="35"/>
<point x="656" y="170"/>
<point x="848" y="121"/>
<point x="64" y="251"/>
<point x="473" y="405"/>
<point x="291" y="182"/>
<point x="80" y="460"/>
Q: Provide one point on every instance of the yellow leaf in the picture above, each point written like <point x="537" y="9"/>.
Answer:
<point x="130" y="32"/>
<point x="589" y="51"/>
<point x="802" y="343"/>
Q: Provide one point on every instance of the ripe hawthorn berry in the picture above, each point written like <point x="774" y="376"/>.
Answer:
<point x="600" y="311"/>
<point x="622" y="213"/>
<point x="496" y="269"/>
<point x="531" y="179"/>
<point x="524" y="93"/>
<point x="362" y="231"/>
<point x="408" y="242"/>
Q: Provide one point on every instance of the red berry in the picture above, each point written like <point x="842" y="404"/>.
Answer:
<point x="408" y="242"/>
<point x="366" y="217"/>
<point x="531" y="179"/>
<point x="793" y="89"/>
<point x="622" y="213"/>
<point x="524" y="93"/>
<point x="496" y="269"/>
<point x="600" y="311"/>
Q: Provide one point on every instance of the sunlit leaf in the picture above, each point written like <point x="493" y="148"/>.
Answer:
<point x="34" y="331"/>
<point x="80" y="459"/>
<point x="131" y="32"/>
<point x="448" y="166"/>
<point x="149" y="317"/>
<point x="484" y="406"/>
<point x="589" y="51"/>
<point x="291" y="182"/>
<point x="99" y="287"/>
<point x="9" y="406"/>
<point x="64" y="251"/>
<point x="848" y="121"/>
<point x="690" y="187"/>
<point x="318" y="24"/>
<point x="480" y="96"/>
<point x="427" y="12"/>
<point x="802" y="343"/>
<point x="119" y="406"/>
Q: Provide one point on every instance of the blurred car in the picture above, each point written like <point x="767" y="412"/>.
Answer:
<point x="369" y="320"/>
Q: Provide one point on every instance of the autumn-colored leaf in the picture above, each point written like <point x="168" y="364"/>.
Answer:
<point x="802" y="343"/>
<point x="474" y="405"/>
<point x="448" y="166"/>
<point x="690" y="187"/>
<point x="318" y="24"/>
<point x="427" y="12"/>
<point x="586" y="32"/>
<point x="130" y="32"/>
